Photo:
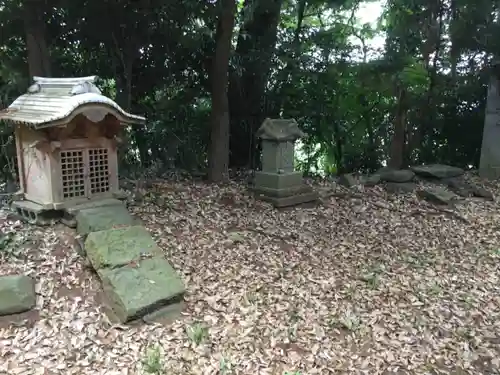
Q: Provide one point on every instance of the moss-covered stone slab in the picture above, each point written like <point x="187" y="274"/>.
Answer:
<point x="165" y="315"/>
<point x="437" y="171"/>
<point x="17" y="294"/>
<point x="118" y="247"/>
<point x="140" y="289"/>
<point x="103" y="218"/>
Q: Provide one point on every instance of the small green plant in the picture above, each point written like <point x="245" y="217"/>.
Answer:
<point x="292" y="333"/>
<point x="351" y="323"/>
<point x="10" y="245"/>
<point x="294" y="316"/>
<point x="372" y="279"/>
<point x="224" y="366"/>
<point x="292" y="373"/>
<point x="414" y="261"/>
<point x="435" y="289"/>
<point x="348" y="321"/>
<point x="372" y="276"/>
<point x="152" y="363"/>
<point x="250" y="298"/>
<point x="468" y="300"/>
<point x="197" y="333"/>
<point x="350" y="291"/>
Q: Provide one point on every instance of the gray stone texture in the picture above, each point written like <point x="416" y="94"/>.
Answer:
<point x="17" y="294"/>
<point x="489" y="165"/>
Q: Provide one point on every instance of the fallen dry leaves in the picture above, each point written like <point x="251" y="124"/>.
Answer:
<point x="348" y="287"/>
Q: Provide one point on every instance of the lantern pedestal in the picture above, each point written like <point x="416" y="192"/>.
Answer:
<point x="278" y="183"/>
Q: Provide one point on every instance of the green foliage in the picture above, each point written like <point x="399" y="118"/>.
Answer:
<point x="152" y="362"/>
<point x="197" y="333"/>
<point x="323" y="72"/>
<point x="415" y="77"/>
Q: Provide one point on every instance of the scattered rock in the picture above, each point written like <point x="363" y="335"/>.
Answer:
<point x="437" y="195"/>
<point x="401" y="175"/>
<point x="17" y="294"/>
<point x="459" y="186"/>
<point x="481" y="192"/>
<point x="466" y="189"/>
<point x="406" y="180"/>
<point x="348" y="180"/>
<point x="402" y="187"/>
<point x="372" y="180"/>
<point x="437" y="171"/>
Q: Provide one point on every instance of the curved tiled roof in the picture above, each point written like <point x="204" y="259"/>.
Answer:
<point x="50" y="100"/>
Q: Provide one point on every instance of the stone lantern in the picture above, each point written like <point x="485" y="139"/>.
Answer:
<point x="278" y="182"/>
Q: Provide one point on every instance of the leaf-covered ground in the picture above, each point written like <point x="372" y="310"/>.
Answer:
<point x="362" y="284"/>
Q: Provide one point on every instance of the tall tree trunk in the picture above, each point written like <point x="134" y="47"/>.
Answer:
<point x="218" y="161"/>
<point x="248" y="108"/>
<point x="36" y="42"/>
<point x="123" y="60"/>
<point x="455" y="46"/>
<point x="397" y="152"/>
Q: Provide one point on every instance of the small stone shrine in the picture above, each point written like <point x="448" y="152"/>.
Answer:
<point x="489" y="165"/>
<point x="278" y="182"/>
<point x="66" y="136"/>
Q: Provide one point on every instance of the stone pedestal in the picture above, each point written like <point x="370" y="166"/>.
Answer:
<point x="278" y="183"/>
<point x="489" y="165"/>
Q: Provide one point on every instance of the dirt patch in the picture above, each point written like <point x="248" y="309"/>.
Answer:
<point x="26" y="319"/>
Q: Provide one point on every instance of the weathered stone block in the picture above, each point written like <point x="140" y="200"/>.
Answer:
<point x="277" y="180"/>
<point x="437" y="171"/>
<point x="489" y="164"/>
<point x="400" y="187"/>
<point x="401" y="175"/>
<point x="103" y="218"/>
<point x="165" y="315"/>
<point x="17" y="294"/>
<point x="348" y="180"/>
<point x="117" y="247"/>
<point x="278" y="156"/>
<point x="437" y="195"/>
<point x="140" y="289"/>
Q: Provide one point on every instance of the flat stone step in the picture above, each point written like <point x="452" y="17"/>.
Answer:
<point x="93" y="204"/>
<point x="103" y="218"/>
<point x="138" y="281"/>
<point x="140" y="289"/>
<point x="119" y="247"/>
<point x="35" y="213"/>
<point x="17" y="294"/>
<point x="28" y="205"/>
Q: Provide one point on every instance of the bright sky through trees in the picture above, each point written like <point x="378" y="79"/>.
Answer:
<point x="370" y="12"/>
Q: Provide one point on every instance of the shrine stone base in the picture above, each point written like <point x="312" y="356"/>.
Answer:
<point x="282" y="189"/>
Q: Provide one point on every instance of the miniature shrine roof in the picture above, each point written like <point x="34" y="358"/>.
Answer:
<point x="52" y="101"/>
<point x="279" y="130"/>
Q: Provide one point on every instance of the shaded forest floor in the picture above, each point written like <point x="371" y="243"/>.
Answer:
<point x="379" y="285"/>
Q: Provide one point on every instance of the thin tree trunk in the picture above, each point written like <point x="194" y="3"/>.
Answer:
<point x="219" y="143"/>
<point x="248" y="105"/>
<point x="123" y="60"/>
<point x="397" y="152"/>
<point x="36" y="42"/>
